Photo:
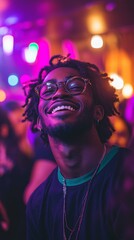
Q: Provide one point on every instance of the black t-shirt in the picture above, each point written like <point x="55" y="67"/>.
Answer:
<point x="109" y="211"/>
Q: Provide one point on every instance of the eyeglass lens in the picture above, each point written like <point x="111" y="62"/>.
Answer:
<point x="74" y="86"/>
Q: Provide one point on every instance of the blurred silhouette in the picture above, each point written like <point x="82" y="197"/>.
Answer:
<point x="15" y="169"/>
<point x="31" y="145"/>
<point x="122" y="134"/>
<point x="44" y="164"/>
<point x="129" y="115"/>
<point x="15" y="111"/>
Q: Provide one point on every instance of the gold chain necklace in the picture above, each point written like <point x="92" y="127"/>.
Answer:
<point x="78" y="223"/>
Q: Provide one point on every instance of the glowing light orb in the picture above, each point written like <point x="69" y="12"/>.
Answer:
<point x="2" y="95"/>
<point x="8" y="44"/>
<point x="97" y="41"/>
<point x="13" y="80"/>
<point x="127" y="90"/>
<point x="117" y="82"/>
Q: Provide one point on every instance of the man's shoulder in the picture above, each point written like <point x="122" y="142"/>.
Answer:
<point x="125" y="153"/>
<point x="123" y="166"/>
<point x="121" y="153"/>
<point x="116" y="160"/>
<point x="123" y="156"/>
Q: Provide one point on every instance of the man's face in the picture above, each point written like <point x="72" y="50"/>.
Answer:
<point x="65" y="116"/>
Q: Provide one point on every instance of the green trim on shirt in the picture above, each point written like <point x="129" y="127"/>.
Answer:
<point x="87" y="177"/>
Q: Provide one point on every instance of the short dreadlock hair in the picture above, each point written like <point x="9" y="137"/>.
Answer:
<point x="103" y="93"/>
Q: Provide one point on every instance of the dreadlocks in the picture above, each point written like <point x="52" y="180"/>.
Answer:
<point x="103" y="93"/>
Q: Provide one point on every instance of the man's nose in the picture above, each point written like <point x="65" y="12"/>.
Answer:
<point x="61" y="91"/>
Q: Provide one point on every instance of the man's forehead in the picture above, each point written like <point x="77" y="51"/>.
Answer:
<point x="61" y="73"/>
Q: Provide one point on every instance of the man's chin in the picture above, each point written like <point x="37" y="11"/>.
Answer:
<point x="68" y="133"/>
<point x="59" y="132"/>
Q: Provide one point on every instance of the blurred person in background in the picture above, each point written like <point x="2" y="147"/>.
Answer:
<point x="129" y="115"/>
<point x="44" y="164"/>
<point x="15" y="170"/>
<point x="31" y="144"/>
<point x="22" y="130"/>
<point x="123" y="132"/>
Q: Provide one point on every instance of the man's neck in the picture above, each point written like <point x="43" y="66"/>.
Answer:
<point x="79" y="158"/>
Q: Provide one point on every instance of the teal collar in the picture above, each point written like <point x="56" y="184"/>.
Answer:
<point x="87" y="177"/>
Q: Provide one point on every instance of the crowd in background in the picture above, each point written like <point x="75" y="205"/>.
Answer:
<point x="20" y="173"/>
<point x="25" y="162"/>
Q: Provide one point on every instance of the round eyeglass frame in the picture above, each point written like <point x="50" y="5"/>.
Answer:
<point x="64" y="83"/>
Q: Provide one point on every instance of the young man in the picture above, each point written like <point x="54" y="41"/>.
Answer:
<point x="86" y="195"/>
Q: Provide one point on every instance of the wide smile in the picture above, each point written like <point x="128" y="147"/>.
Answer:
<point x="60" y="106"/>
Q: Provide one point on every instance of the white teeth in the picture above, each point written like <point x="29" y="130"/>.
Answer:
<point x="62" y="108"/>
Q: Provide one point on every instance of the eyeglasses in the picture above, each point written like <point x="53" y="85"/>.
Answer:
<point x="74" y="86"/>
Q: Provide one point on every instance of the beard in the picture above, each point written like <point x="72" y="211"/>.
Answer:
<point x="72" y="132"/>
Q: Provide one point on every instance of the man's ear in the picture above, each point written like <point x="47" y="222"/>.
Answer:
<point x="98" y="113"/>
<point x="39" y="125"/>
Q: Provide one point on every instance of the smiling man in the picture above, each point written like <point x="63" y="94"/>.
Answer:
<point x="84" y="198"/>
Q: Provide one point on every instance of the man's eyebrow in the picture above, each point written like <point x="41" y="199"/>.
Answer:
<point x="54" y="79"/>
<point x="70" y="76"/>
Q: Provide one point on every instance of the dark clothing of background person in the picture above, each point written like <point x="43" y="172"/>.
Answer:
<point x="44" y="164"/>
<point x="15" y="170"/>
<point x="12" y="185"/>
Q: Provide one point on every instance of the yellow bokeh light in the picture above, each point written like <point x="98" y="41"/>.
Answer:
<point x="2" y="95"/>
<point x="127" y="90"/>
<point x="96" y="23"/>
<point x="117" y="82"/>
